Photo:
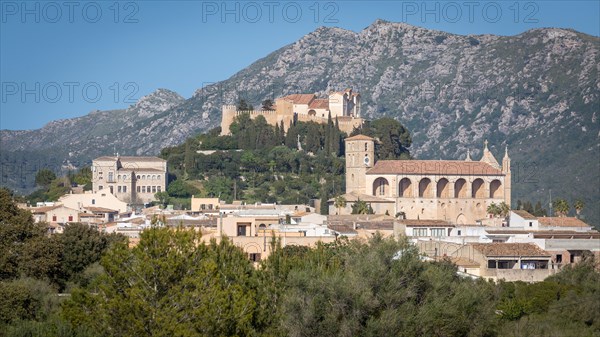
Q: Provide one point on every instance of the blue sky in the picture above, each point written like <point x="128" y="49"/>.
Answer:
<point x="64" y="59"/>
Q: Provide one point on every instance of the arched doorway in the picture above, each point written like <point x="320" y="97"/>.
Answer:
<point x="425" y="190"/>
<point x="460" y="188"/>
<point x="381" y="187"/>
<point x="477" y="189"/>
<point x="405" y="188"/>
<point x="443" y="188"/>
<point x="496" y="189"/>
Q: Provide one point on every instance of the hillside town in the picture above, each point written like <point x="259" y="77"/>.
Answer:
<point x="455" y="210"/>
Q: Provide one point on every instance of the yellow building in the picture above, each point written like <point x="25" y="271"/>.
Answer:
<point x="133" y="180"/>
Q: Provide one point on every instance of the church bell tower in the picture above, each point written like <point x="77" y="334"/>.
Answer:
<point x="360" y="157"/>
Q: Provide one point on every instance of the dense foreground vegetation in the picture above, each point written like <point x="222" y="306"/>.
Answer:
<point x="173" y="284"/>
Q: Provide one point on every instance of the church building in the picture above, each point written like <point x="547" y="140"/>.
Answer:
<point x="458" y="191"/>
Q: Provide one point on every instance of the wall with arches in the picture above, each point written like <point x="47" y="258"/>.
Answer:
<point x="456" y="198"/>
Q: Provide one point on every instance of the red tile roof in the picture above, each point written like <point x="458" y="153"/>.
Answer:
<point x="510" y="249"/>
<point x="320" y="103"/>
<point x="43" y="209"/>
<point x="525" y="215"/>
<point x="441" y="167"/>
<point x="300" y="98"/>
<point x="343" y="229"/>
<point x="561" y="222"/>
<point x="101" y="209"/>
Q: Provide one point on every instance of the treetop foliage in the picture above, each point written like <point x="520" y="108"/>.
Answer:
<point x="260" y="162"/>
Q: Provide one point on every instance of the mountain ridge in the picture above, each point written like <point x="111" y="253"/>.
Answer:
<point x="536" y="91"/>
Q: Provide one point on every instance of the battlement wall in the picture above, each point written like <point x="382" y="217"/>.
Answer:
<point x="273" y="117"/>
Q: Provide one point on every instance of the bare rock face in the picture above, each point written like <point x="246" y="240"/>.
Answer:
<point x="537" y="92"/>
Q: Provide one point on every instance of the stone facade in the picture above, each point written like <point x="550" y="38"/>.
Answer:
<point x="133" y="180"/>
<point x="343" y="106"/>
<point x="453" y="190"/>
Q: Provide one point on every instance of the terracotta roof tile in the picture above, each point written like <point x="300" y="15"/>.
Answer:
<point x="525" y="215"/>
<point x="441" y="167"/>
<point x="300" y="98"/>
<point x="510" y="249"/>
<point x="343" y="229"/>
<point x="101" y="209"/>
<point x="375" y="225"/>
<point x="320" y="103"/>
<point x="43" y="209"/>
<point x="561" y="222"/>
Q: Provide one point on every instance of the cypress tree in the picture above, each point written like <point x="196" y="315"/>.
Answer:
<point x="337" y="139"/>
<point x="281" y="139"/>
<point x="329" y="135"/>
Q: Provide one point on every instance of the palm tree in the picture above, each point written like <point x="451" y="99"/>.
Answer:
<point x="339" y="202"/>
<point x="494" y="209"/>
<point x="561" y="207"/>
<point x="504" y="209"/>
<point x="361" y="207"/>
<point x="578" y="205"/>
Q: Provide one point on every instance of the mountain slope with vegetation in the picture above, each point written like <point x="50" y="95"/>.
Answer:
<point x="536" y="92"/>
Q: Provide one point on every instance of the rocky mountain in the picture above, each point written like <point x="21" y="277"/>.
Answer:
<point x="537" y="92"/>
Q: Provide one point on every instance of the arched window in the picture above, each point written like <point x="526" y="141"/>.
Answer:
<point x="366" y="146"/>
<point x="158" y="177"/>
<point x="460" y="188"/>
<point x="477" y="189"/>
<point x="138" y="176"/>
<point x="425" y="190"/>
<point x="380" y="187"/>
<point x="496" y="189"/>
<point x="405" y="188"/>
<point x="143" y="176"/>
<point x="443" y="188"/>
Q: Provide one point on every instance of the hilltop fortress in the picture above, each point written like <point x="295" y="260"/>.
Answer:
<point x="342" y="105"/>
